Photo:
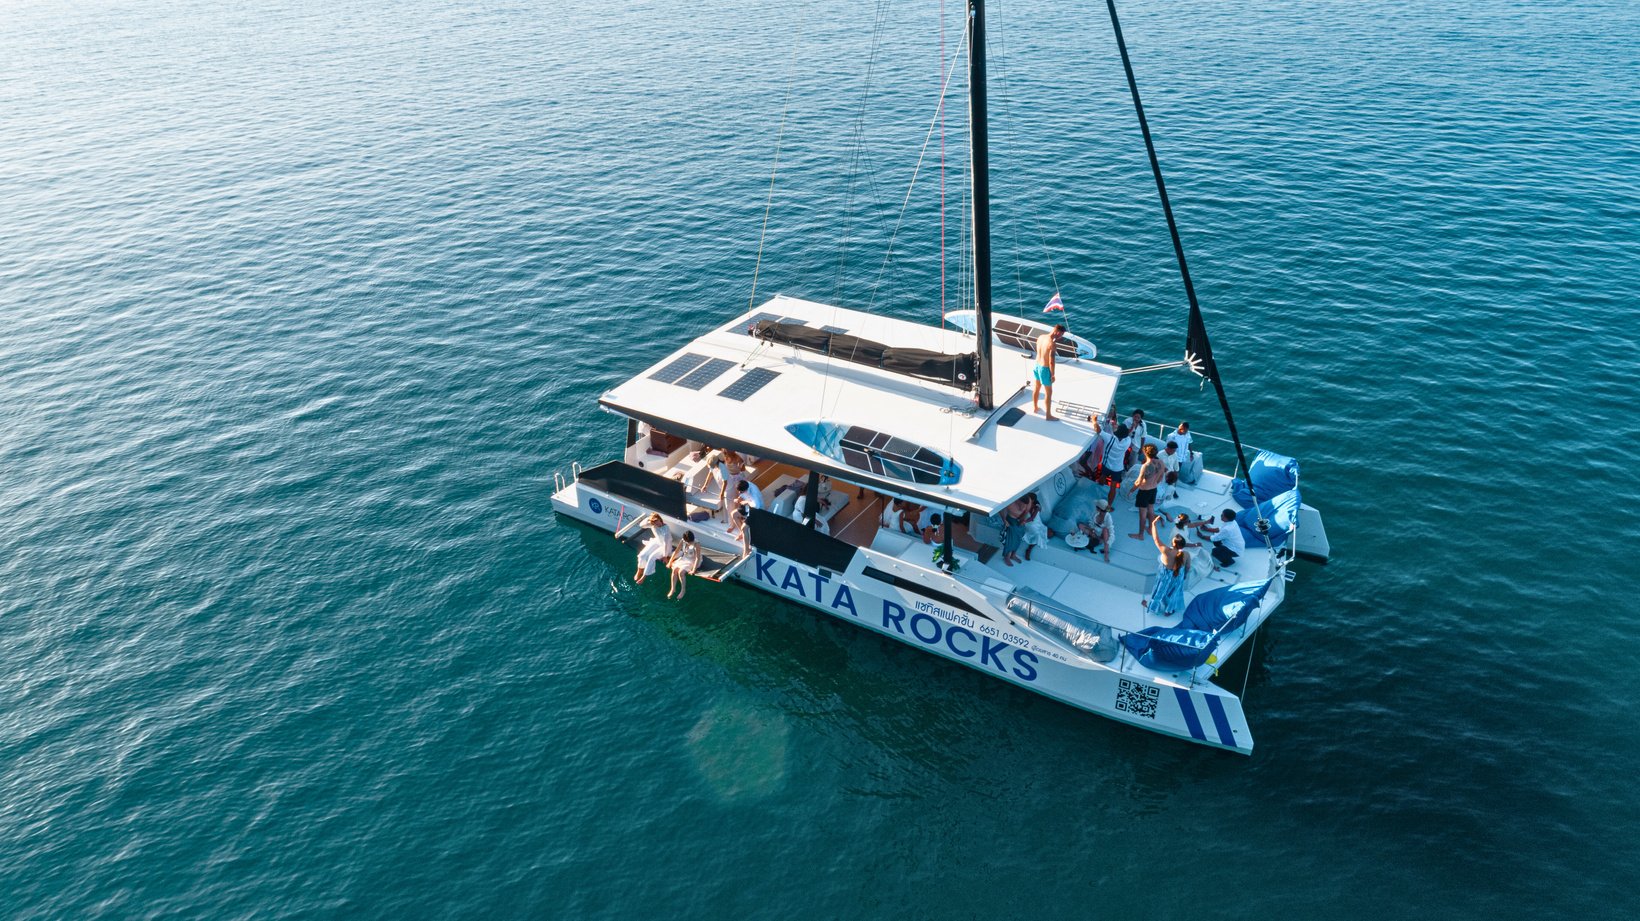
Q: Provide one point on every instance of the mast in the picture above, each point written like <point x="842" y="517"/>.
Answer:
<point x="981" y="197"/>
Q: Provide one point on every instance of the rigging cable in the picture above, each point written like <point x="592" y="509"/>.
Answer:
<point x="856" y="156"/>
<point x="768" y="205"/>
<point x="939" y="111"/>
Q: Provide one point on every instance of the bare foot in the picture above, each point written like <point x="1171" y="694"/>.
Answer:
<point x="1049" y="417"/>
<point x="1139" y="536"/>
<point x="1007" y="562"/>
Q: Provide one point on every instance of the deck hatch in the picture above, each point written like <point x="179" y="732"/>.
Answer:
<point x="750" y="382"/>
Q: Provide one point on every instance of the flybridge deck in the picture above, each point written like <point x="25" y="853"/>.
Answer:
<point x="729" y="389"/>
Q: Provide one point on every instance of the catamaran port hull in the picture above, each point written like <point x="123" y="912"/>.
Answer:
<point x="980" y="637"/>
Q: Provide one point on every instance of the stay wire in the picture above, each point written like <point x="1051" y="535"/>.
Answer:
<point x="939" y="112"/>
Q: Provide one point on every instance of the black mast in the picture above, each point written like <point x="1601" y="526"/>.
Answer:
<point x="981" y="195"/>
<point x="1198" y="352"/>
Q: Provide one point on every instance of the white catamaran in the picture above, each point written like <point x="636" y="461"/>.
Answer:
<point x="847" y="416"/>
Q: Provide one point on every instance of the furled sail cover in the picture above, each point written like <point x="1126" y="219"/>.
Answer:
<point x="1282" y="514"/>
<point x="1272" y="474"/>
<point x="875" y="452"/>
<point x="1210" y="616"/>
<point x="959" y="371"/>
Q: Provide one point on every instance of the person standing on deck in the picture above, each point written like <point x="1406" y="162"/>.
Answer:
<point x="1112" y="453"/>
<point x="1046" y="363"/>
<point x="1151" y="473"/>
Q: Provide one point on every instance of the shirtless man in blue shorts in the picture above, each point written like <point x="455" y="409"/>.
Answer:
<point x="1042" y="374"/>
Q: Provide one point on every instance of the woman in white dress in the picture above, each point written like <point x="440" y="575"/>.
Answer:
<point x="684" y="561"/>
<point x="657" y="548"/>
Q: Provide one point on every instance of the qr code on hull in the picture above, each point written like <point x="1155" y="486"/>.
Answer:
<point x="1137" y="699"/>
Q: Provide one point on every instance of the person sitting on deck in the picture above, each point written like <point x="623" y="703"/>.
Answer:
<point x="1228" y="541"/>
<point x="1170" y="457"/>
<point x="1170" y="489"/>
<point x="1098" y="529"/>
<point x="657" y="548"/>
<point x="931" y="528"/>
<point x="748" y="495"/>
<point x="685" y="560"/>
<point x="891" y="512"/>
<point x="910" y="521"/>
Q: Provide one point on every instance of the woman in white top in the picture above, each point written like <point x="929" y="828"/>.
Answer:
<point x="658" y="547"/>
<point x="685" y="560"/>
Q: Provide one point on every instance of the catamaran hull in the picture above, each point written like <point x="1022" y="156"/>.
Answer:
<point x="1204" y="715"/>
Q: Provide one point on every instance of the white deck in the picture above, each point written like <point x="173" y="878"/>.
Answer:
<point x="997" y="467"/>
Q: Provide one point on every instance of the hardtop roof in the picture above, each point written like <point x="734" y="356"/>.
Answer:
<point x="730" y="390"/>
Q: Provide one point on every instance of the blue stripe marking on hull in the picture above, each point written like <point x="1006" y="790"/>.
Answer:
<point x="1216" y="707"/>
<point x="1189" y="711"/>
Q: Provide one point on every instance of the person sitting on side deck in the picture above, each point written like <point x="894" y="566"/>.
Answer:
<point x="654" y="550"/>
<point x="685" y="560"/>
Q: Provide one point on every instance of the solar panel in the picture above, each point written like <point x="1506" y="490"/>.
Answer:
<point x="678" y="367"/>
<point x="834" y="330"/>
<point x="705" y="374"/>
<point x="750" y="382"/>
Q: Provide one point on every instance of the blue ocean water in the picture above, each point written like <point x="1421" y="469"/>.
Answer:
<point x="304" y="305"/>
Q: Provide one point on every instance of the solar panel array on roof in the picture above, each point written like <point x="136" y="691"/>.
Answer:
<point x="751" y="382"/>
<point x="880" y="453"/>
<point x="678" y="367"/>
<point x="705" y="374"/>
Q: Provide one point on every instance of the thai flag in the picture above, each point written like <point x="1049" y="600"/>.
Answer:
<point x="1054" y="303"/>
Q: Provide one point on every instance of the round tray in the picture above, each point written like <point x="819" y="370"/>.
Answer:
<point x="1076" y="541"/>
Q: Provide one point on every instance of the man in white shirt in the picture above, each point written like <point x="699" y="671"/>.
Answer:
<point x="1228" y="541"/>
<point x="747" y="494"/>
<point x="1113" y="447"/>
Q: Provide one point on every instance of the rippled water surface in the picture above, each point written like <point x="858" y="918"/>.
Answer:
<point x="305" y="303"/>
